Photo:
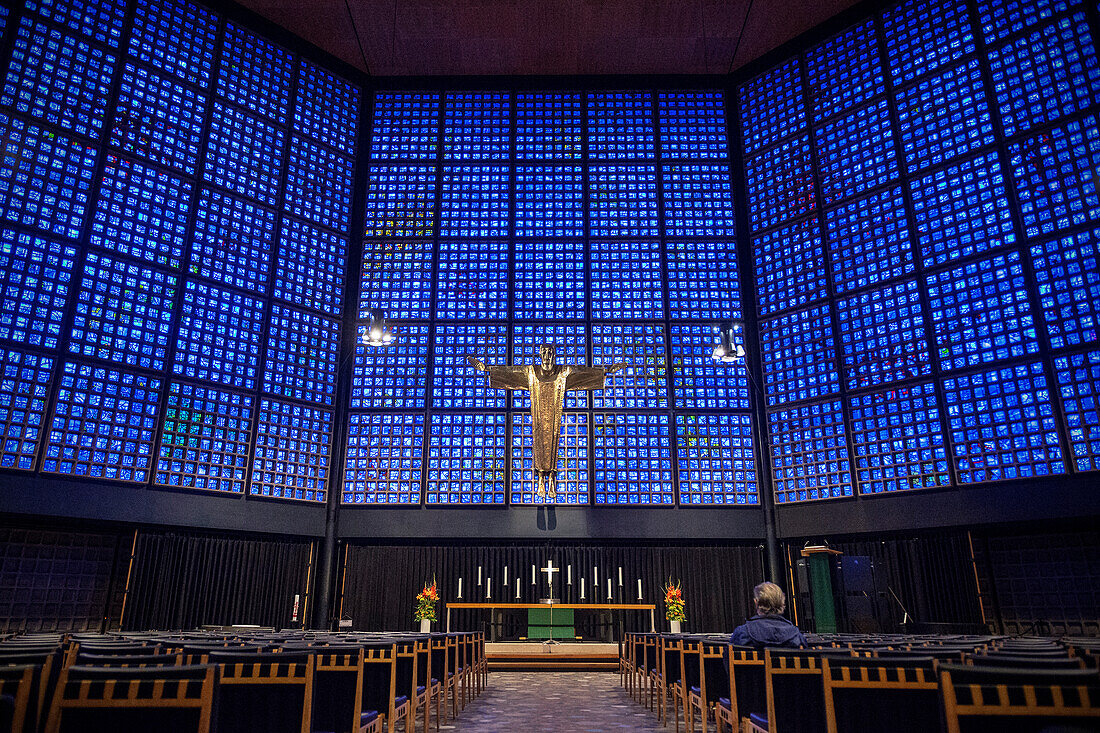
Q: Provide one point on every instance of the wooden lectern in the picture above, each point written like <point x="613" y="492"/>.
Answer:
<point x="819" y="560"/>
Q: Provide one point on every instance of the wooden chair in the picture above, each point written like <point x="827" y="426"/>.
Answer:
<point x="380" y="691"/>
<point x="128" y="660"/>
<point x="338" y="692"/>
<point x="428" y="686"/>
<point x="748" y="692"/>
<point x="796" y="697"/>
<point x="441" y="667"/>
<point x="647" y="668"/>
<point x="670" y="678"/>
<point x="408" y="679"/>
<point x="134" y="700"/>
<point x="47" y="662"/>
<point x="690" y="651"/>
<point x="18" y="687"/>
<point x="1024" y="661"/>
<point x="979" y="699"/>
<point x="713" y="681"/>
<point x="265" y="692"/>
<point x="899" y="694"/>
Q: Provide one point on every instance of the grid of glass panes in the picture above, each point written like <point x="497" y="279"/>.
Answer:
<point x="301" y="355"/>
<point x="475" y="231"/>
<point x="927" y="248"/>
<point x="25" y="382"/>
<point x="1079" y="382"/>
<point x="809" y="452"/>
<point x="290" y="459"/>
<point x="204" y="443"/>
<point x="633" y="462"/>
<point x="572" y="480"/>
<point x="208" y="121"/>
<point x="466" y="458"/>
<point x="714" y="456"/>
<point x="385" y="456"/>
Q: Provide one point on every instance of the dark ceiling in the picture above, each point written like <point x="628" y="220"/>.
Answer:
<point x="521" y="37"/>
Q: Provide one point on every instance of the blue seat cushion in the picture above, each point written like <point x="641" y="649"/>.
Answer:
<point x="400" y="700"/>
<point x="367" y="716"/>
<point x="419" y="689"/>
<point x="695" y="689"/>
<point x="434" y="682"/>
<point x="725" y="702"/>
<point x="760" y="719"/>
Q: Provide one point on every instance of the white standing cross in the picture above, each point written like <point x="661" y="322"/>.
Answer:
<point x="550" y="570"/>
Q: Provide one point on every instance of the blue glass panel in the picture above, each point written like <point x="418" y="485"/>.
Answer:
<point x="103" y="425"/>
<point x="98" y="19"/>
<point x="123" y="312"/>
<point x="1002" y="425"/>
<point x="698" y="201"/>
<point x="255" y="73"/>
<point x="570" y="341"/>
<point x="626" y="280"/>
<point x="142" y="212"/>
<point x="550" y="280"/>
<point x="772" y="106"/>
<point x="799" y="356"/>
<point x="477" y="126"/>
<point x="809" y="453"/>
<point x="385" y="458"/>
<point x="1068" y="273"/>
<point x="467" y="459"/>
<point x="573" y="468"/>
<point x="3" y="18"/>
<point x="961" y="210"/>
<point x="34" y="287"/>
<point x="301" y="355"/>
<point x="644" y="382"/>
<point x="856" y="152"/>
<point x="327" y="108"/>
<point x="292" y="452"/>
<point x="844" y="71"/>
<point x="633" y="463"/>
<point x="781" y="184"/>
<point x="790" y="267"/>
<point x="158" y="119"/>
<point x="698" y="380"/>
<point x="714" y="455"/>
<point x="981" y="312"/>
<point x="1079" y="383"/>
<point x="693" y="125"/>
<point x="473" y="280"/>
<point x="205" y="440"/>
<point x="318" y="185"/>
<point x="455" y="383"/>
<point x="898" y="441"/>
<point x="401" y="202"/>
<point x="622" y="201"/>
<point x="549" y="201"/>
<point x="944" y="116"/>
<point x="869" y="240"/>
<point x="309" y="269"/>
<point x="44" y="178"/>
<point x="1056" y="176"/>
<point x="548" y="125"/>
<point x="475" y="202"/>
<point x="392" y="377"/>
<point x="244" y="154"/>
<point x="175" y="36"/>
<point x="882" y="336"/>
<point x="59" y="79"/>
<point x="620" y="125"/>
<point x="219" y="336"/>
<point x="397" y="277"/>
<point x="703" y="281"/>
<point x="405" y="126"/>
<point x="1001" y="18"/>
<point x="1048" y="74"/>
<point x="232" y="241"/>
<point x="25" y="386"/>
<point x="922" y="35"/>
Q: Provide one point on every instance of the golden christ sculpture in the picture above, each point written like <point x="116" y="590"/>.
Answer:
<point x="547" y="382"/>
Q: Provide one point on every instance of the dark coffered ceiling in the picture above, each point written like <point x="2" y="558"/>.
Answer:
<point x="521" y="37"/>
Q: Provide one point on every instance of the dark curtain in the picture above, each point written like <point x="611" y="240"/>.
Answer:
<point x="381" y="581"/>
<point x="181" y="581"/>
<point x="931" y="574"/>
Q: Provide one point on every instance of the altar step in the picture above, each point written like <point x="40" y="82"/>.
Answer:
<point x="542" y="657"/>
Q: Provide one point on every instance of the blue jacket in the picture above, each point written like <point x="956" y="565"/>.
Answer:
<point x="761" y="631"/>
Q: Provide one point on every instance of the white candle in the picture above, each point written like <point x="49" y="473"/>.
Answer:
<point x="609" y="589"/>
<point x="488" y="587"/>
<point x="569" y="570"/>
<point x="596" y="583"/>
<point x="506" y="575"/>
<point x="460" y="587"/>
<point x="517" y="589"/>
<point x="532" y="575"/>
<point x="639" y="589"/>
<point x="582" y="589"/>
<point x="479" y="575"/>
<point x="620" y="576"/>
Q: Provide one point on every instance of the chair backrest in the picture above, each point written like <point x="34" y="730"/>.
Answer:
<point x="424" y="661"/>
<point x="47" y="662"/>
<point x="1025" y="661"/>
<point x="264" y="691"/>
<point x="669" y="652"/>
<point x="337" y="688"/>
<point x="796" y="696"/>
<point x="440" y="657"/>
<point x="978" y="699"/>
<point x="407" y="663"/>
<point x="714" y="679"/>
<point x="748" y="691"/>
<point x="690" y="650"/>
<point x="131" y="699"/>
<point x="18" y="687"/>
<point x="898" y="694"/>
<point x="128" y="660"/>
<point x="380" y="675"/>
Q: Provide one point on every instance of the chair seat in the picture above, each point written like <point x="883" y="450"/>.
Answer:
<point x="695" y="689"/>
<point x="400" y="700"/>
<point x="725" y="702"/>
<point x="419" y="689"/>
<point x="367" y="716"/>
<point x="760" y="719"/>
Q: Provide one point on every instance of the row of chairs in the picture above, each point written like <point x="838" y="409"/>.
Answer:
<point x="842" y="685"/>
<point x="296" y="682"/>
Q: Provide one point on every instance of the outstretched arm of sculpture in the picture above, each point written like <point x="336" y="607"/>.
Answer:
<point x="616" y="368"/>
<point x="501" y="377"/>
<point x="590" y="377"/>
<point x="477" y="363"/>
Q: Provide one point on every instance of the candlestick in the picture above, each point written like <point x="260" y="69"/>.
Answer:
<point x="620" y="576"/>
<point x="460" y="587"/>
<point x="488" y="587"/>
<point x="582" y="589"/>
<point x="639" y="589"/>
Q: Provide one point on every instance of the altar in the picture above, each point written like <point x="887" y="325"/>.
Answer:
<point x="548" y="609"/>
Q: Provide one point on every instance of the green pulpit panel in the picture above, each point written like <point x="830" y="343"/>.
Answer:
<point x="542" y="623"/>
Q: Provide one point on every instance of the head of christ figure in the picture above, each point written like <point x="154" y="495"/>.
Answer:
<point x="546" y="351"/>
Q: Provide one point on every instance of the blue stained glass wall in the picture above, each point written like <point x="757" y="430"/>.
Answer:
<point x="599" y="222"/>
<point x="175" y="199"/>
<point x="922" y="190"/>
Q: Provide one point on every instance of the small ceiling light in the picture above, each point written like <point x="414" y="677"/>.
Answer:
<point x="729" y="348"/>
<point x="378" y="331"/>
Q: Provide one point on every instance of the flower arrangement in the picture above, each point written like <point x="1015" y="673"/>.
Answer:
<point x="425" y="602"/>
<point x="674" y="602"/>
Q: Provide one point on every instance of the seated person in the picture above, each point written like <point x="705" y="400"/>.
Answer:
<point x="768" y="627"/>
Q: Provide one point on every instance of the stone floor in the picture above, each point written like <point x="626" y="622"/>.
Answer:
<point x="549" y="702"/>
